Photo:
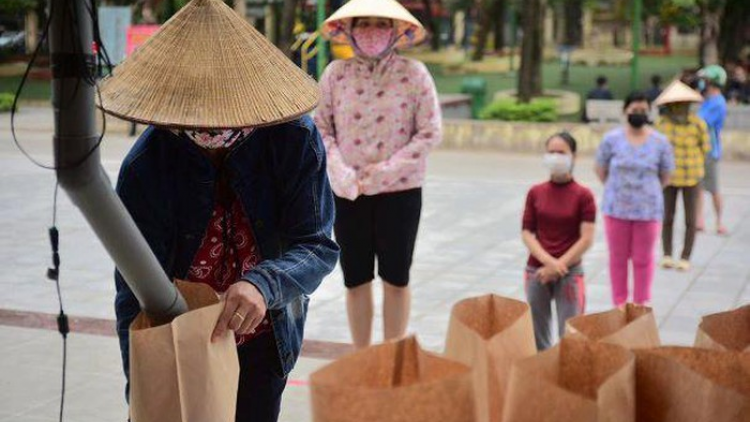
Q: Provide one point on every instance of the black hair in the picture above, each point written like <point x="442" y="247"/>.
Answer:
<point x="601" y="80"/>
<point x="656" y="80"/>
<point x="567" y="137"/>
<point x="635" y="97"/>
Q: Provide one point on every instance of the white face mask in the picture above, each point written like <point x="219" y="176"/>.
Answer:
<point x="558" y="164"/>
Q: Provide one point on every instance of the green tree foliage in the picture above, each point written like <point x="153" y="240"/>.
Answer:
<point x="14" y="7"/>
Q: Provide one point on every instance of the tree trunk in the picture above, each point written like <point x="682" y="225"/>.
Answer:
<point x="32" y="30"/>
<point x="530" y="74"/>
<point x="288" y="19"/>
<point x="573" y="18"/>
<point x="710" y="28"/>
<point x="432" y="25"/>
<point x="487" y="12"/>
<point x="500" y="7"/>
<point x="736" y="16"/>
<point x="483" y="30"/>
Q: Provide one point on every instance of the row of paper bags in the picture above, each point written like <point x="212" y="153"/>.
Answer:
<point x="609" y="367"/>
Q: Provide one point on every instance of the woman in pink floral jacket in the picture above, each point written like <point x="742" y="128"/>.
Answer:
<point x="379" y="118"/>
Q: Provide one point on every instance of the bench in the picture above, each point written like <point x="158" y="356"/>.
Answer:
<point x="604" y="111"/>
<point x="455" y="106"/>
<point x="738" y="117"/>
<point x="610" y="111"/>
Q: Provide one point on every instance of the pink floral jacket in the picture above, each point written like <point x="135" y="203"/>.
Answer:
<point x="378" y="121"/>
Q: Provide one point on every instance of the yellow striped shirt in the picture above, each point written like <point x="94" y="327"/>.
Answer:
<point x="691" y="142"/>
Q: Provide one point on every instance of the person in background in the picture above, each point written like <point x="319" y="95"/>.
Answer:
<point x="558" y="229"/>
<point x="653" y="93"/>
<point x="601" y="92"/>
<point x="738" y="88"/>
<point x="379" y="118"/>
<point x="690" y="77"/>
<point x="689" y="137"/>
<point x="713" y="111"/>
<point x="634" y="162"/>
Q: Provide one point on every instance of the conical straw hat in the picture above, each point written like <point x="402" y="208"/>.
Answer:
<point x="208" y="68"/>
<point x="678" y="92"/>
<point x="337" y="27"/>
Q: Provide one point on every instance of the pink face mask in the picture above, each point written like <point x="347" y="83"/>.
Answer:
<point x="217" y="138"/>
<point x="373" y="42"/>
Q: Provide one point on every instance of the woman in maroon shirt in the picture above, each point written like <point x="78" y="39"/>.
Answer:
<point x="558" y="228"/>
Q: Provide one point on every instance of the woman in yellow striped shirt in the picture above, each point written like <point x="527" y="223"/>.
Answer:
<point x="690" y="141"/>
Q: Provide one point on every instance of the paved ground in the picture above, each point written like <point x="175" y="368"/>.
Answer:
<point x="468" y="245"/>
<point x="30" y="385"/>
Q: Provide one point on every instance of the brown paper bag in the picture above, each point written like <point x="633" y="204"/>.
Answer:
<point x="632" y="328"/>
<point x="679" y="384"/>
<point x="393" y="382"/>
<point x="725" y="331"/>
<point x="577" y="380"/>
<point x="176" y="373"/>
<point x="489" y="333"/>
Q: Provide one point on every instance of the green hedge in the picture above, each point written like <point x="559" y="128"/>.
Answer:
<point x="539" y="110"/>
<point x="6" y="101"/>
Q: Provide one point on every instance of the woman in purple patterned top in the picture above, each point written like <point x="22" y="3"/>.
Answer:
<point x="634" y="162"/>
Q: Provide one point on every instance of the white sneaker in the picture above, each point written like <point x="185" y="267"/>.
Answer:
<point x="683" y="265"/>
<point x="668" y="263"/>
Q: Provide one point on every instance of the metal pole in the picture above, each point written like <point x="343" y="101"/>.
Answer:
<point x="634" y="71"/>
<point x="85" y="181"/>
<point x="322" y="46"/>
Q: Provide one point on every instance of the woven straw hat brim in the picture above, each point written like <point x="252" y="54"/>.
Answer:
<point x="337" y="27"/>
<point x="678" y="92"/>
<point x="208" y="68"/>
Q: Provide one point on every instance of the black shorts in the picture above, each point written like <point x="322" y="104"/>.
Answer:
<point x="382" y="227"/>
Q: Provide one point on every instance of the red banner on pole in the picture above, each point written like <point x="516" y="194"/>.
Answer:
<point x="137" y="36"/>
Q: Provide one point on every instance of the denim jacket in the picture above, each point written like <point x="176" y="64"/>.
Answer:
<point x="279" y="175"/>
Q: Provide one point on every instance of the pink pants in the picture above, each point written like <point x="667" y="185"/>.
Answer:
<point x="635" y="241"/>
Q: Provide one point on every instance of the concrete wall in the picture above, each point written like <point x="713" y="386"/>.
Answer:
<point x="530" y="137"/>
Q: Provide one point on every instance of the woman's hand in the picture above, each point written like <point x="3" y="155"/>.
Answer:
<point x="377" y="175"/>
<point x="545" y="276"/>
<point x="244" y="309"/>
<point x="555" y="270"/>
<point x="602" y="173"/>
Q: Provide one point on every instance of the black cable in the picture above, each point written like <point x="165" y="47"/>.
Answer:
<point x="25" y="76"/>
<point x="54" y="274"/>
<point x="64" y="371"/>
<point x="103" y="57"/>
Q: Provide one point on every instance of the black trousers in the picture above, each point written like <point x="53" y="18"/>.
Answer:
<point x="690" y="201"/>
<point x="261" y="382"/>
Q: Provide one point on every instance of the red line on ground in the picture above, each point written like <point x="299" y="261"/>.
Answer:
<point x="316" y="349"/>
